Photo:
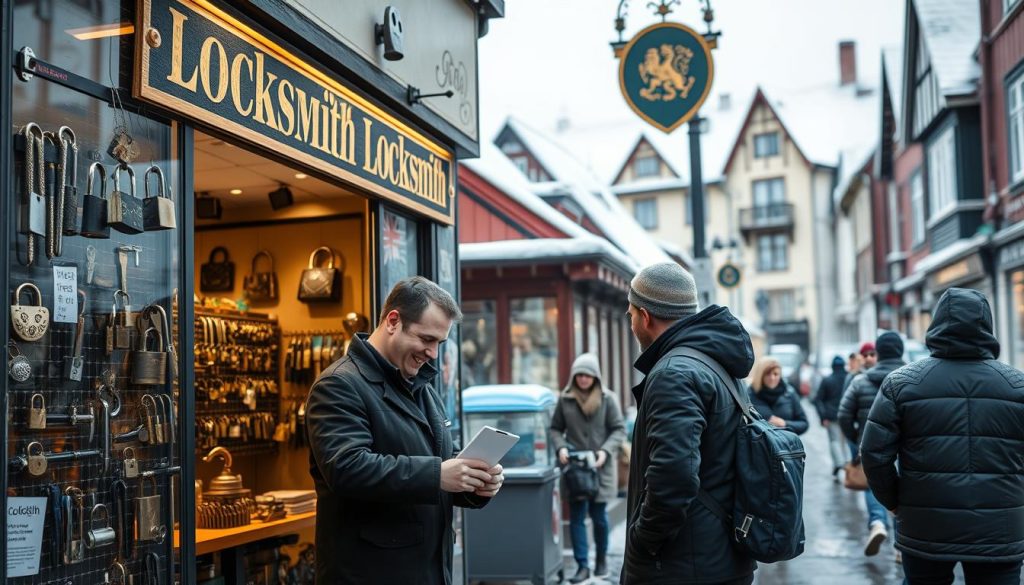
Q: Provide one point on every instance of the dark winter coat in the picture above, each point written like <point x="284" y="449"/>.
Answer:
<point x="781" y="401"/>
<point x="830" y="392"/>
<point x="955" y="421"/>
<point x="685" y="440"/>
<point x="860" y="395"/>
<point x="375" y="456"/>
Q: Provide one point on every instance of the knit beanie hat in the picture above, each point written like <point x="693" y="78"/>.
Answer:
<point x="586" y="364"/>
<point x="665" y="290"/>
<point x="889" y="346"/>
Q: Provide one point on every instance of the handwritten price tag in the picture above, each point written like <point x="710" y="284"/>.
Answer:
<point x="65" y="294"/>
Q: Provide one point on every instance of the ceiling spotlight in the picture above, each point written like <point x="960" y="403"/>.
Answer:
<point x="236" y="191"/>
<point x="300" y="176"/>
<point x="281" y="197"/>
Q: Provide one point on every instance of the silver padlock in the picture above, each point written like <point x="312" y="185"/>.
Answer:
<point x="37" y="414"/>
<point x="157" y="210"/>
<point x="123" y="326"/>
<point x="131" y="464"/>
<point x="102" y="536"/>
<point x="149" y="367"/>
<point x="149" y="526"/>
<point x="124" y="210"/>
<point x="36" y="463"/>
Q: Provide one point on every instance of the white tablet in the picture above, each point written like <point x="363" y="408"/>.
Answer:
<point x="489" y="445"/>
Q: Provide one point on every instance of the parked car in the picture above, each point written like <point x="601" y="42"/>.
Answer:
<point x="791" y="357"/>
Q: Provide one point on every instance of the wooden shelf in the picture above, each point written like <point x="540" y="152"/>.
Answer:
<point x="210" y="540"/>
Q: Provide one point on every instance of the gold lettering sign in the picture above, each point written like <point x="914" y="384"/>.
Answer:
<point x="217" y="69"/>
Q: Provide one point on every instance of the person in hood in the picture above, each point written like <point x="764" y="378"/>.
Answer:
<point x="685" y="435"/>
<point x="955" y="421"/>
<point x="774" y="398"/>
<point x="830" y="392"/>
<point x="588" y="418"/>
<point x="853" y="415"/>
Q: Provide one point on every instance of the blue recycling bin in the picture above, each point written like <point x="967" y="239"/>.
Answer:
<point x="518" y="535"/>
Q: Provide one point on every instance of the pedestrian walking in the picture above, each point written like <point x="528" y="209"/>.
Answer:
<point x="954" y="424"/>
<point x="774" y="398"/>
<point x="685" y="435"/>
<point x="853" y="416"/>
<point x="381" y="451"/>
<point x="826" y="401"/>
<point x="862" y="361"/>
<point x="588" y="418"/>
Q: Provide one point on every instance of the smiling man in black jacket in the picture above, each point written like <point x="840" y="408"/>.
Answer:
<point x="381" y="451"/>
<point x="955" y="424"/>
<point x="684" y="440"/>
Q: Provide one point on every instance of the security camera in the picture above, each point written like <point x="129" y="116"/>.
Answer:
<point x="390" y="34"/>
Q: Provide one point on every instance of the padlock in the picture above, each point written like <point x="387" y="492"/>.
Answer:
<point x="69" y="170"/>
<point x="131" y="464"/>
<point x="124" y="210"/>
<point x="149" y="368"/>
<point x="36" y="463"/>
<point x="124" y="328"/>
<point x="34" y="220"/>
<point x="116" y="575"/>
<point x="110" y="328"/>
<point x="102" y="536"/>
<point x="148" y="523"/>
<point x="37" y="414"/>
<point x="18" y="366"/>
<point x="157" y="210"/>
<point x="75" y="363"/>
<point x="30" y="322"/>
<point x="94" y="207"/>
<point x="154" y="425"/>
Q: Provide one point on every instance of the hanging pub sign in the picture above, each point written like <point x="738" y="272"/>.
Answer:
<point x="665" y="74"/>
<point x="202" y="62"/>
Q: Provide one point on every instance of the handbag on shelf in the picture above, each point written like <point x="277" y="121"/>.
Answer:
<point x="218" y="274"/>
<point x="320" y="284"/>
<point x="261" y="286"/>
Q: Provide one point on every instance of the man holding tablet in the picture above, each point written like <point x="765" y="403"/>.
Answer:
<point x="381" y="451"/>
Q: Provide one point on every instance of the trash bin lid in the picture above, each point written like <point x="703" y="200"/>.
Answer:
<point x="507" y="398"/>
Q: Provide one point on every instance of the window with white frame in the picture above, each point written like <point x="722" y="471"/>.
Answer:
<point x="646" y="166"/>
<point x="917" y="208"/>
<point x="942" y="173"/>
<point x="769" y="192"/>
<point x="646" y="213"/>
<point x="1008" y="4"/>
<point x="1015" y="117"/>
<point x="766" y="144"/>
<point x="782" y="305"/>
<point x="522" y="163"/>
<point x="772" y="252"/>
<point x="895" y="233"/>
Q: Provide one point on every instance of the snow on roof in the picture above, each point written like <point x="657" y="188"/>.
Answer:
<point x="951" y="30"/>
<point x="560" y="249"/>
<point x="648" y="185"/>
<point x="572" y="178"/>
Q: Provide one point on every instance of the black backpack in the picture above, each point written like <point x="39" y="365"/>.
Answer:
<point x="766" y="519"/>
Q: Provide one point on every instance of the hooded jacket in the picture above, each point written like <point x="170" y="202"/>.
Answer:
<point x="830" y="392"/>
<point x="860" y="395"/>
<point x="781" y="401"/>
<point x="685" y="440"/>
<point x="602" y="431"/>
<point x="955" y="421"/>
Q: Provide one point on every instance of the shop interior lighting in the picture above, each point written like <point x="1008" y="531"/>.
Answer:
<point x="300" y="176"/>
<point x="236" y="191"/>
<point x="102" y="31"/>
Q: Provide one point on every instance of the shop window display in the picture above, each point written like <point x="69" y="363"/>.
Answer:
<point x="479" y="343"/>
<point x="534" y="337"/>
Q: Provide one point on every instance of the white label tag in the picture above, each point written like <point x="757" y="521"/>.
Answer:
<point x="65" y="294"/>
<point x="25" y="518"/>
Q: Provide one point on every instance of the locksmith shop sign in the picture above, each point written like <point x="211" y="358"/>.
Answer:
<point x="198" y="60"/>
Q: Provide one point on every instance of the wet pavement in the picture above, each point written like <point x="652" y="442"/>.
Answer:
<point x="835" y="520"/>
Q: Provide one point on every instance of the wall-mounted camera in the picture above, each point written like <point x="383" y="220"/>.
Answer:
<point x="390" y="34"/>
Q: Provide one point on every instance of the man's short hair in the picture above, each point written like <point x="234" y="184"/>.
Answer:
<point x="411" y="297"/>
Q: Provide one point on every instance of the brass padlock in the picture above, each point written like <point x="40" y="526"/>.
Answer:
<point x="124" y="328"/>
<point x="158" y="210"/>
<point x="30" y="322"/>
<point x="131" y="464"/>
<point x="94" y="205"/>
<point x="34" y="217"/>
<point x="148" y="523"/>
<point x="37" y="414"/>
<point x="149" y="368"/>
<point x="124" y="210"/>
<point x="36" y="463"/>
<point x="102" y="536"/>
<point x="151" y="411"/>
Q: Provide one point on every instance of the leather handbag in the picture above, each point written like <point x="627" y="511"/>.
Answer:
<point x="854" y="478"/>
<point x="581" y="481"/>
<point x="218" y="274"/>
<point x="261" y="287"/>
<point x="320" y="284"/>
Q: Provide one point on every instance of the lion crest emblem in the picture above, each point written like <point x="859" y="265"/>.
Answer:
<point x="665" y="71"/>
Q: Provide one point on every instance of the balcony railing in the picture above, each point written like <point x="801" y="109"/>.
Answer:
<point x="773" y="217"/>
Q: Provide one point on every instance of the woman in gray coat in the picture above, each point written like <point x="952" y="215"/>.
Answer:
<point x="588" y="418"/>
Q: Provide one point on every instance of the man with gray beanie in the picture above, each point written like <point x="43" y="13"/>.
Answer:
<point x="684" y="440"/>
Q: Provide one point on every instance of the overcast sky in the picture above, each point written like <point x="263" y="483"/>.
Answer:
<point x="548" y="58"/>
